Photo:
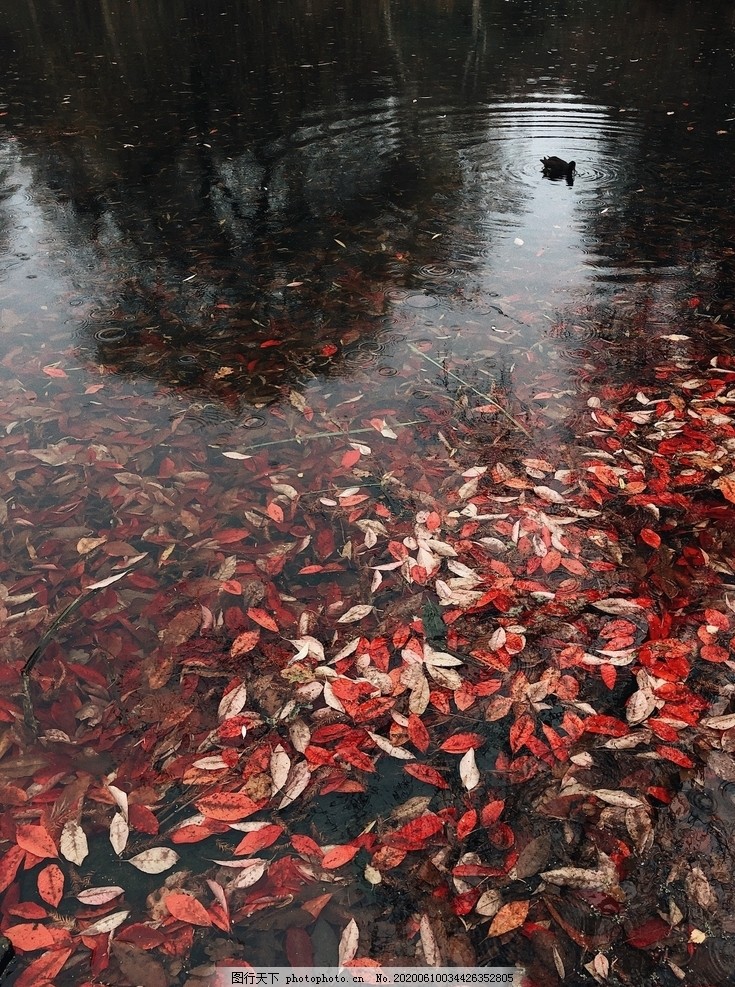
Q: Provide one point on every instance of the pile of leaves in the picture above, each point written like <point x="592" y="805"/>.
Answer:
<point x="421" y="677"/>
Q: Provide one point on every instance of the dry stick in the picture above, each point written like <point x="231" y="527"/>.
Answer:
<point x="469" y="386"/>
<point x="345" y="433"/>
<point x="28" y="715"/>
<point x="30" y="719"/>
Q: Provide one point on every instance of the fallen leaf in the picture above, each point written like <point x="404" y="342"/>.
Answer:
<point x="508" y="917"/>
<point x="186" y="908"/>
<point x="355" y="613"/>
<point x="468" y="771"/>
<point x="154" y="861"/>
<point x="50" y="884"/>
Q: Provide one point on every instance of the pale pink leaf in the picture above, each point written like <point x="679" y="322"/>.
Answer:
<point x="154" y="861"/>
<point x="468" y="770"/>
<point x="106" y="924"/>
<point x="233" y="702"/>
<point x="432" y="952"/>
<point x="298" y="779"/>
<point x="73" y="843"/>
<point x="119" y="832"/>
<point x="100" y="896"/>
<point x="348" y="942"/>
<point x="280" y="767"/>
<point x="355" y="613"/>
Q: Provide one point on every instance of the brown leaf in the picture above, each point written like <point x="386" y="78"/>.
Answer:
<point x="183" y="626"/>
<point x="138" y="966"/>
<point x="533" y="857"/>
<point x="509" y="917"/>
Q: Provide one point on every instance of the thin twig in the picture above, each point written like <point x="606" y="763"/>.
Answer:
<point x="345" y="433"/>
<point x="470" y="387"/>
<point x="28" y="715"/>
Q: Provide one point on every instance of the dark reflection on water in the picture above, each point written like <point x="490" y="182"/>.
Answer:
<point x="252" y="203"/>
<point x="192" y="182"/>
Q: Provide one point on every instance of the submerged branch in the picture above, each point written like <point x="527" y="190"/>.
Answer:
<point x="28" y="714"/>
<point x="470" y="387"/>
<point x="331" y="435"/>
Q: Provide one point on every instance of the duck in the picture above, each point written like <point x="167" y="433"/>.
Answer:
<point x="558" y="168"/>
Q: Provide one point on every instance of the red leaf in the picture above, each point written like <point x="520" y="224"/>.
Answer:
<point x="186" y="908"/>
<point x="140" y="935"/>
<point x="492" y="812"/>
<point x="610" y="726"/>
<point x="44" y="968"/>
<point x="651" y="931"/>
<point x="32" y="935"/>
<point x="467" y="823"/>
<point x="650" y="537"/>
<point x="715" y="653"/>
<point x="398" y="550"/>
<point x="609" y="675"/>
<point x="462" y="904"/>
<point x="229" y="535"/>
<point x="350" y="458"/>
<point x="417" y="733"/>
<point x="356" y="757"/>
<point x="314" y="906"/>
<point x="28" y="909"/>
<point x="51" y="884"/>
<point x="551" y="561"/>
<point x="557" y="743"/>
<point x="427" y="774"/>
<point x="244" y="642"/>
<point x="54" y="372"/>
<point x="663" y="730"/>
<point x="232" y="586"/>
<point x="675" y="755"/>
<point x="521" y="732"/>
<point x="666" y="659"/>
<point x="197" y="832"/>
<point x="387" y="857"/>
<point x="416" y="833"/>
<point x="36" y="840"/>
<point x="306" y="846"/>
<point x="574" y="566"/>
<point x="338" y="856"/>
<point x="460" y="743"/>
<point x="717" y="618"/>
<point x="263" y="618"/>
<point x="142" y="819"/>
<point x="227" y="806"/>
<point x="275" y="512"/>
<point x="257" y="840"/>
<point x="9" y="864"/>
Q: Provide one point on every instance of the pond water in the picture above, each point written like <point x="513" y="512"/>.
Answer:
<point x="260" y="262"/>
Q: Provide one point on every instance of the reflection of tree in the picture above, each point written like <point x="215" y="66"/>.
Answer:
<point x="208" y="147"/>
<point x="239" y="144"/>
<point x="9" y="162"/>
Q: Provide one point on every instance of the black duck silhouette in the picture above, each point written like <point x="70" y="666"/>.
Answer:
<point x="559" y="168"/>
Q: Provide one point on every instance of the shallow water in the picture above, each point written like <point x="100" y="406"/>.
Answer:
<point x="217" y="221"/>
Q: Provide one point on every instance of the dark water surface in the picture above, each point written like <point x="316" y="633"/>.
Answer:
<point x="225" y="224"/>
<point x="176" y="178"/>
